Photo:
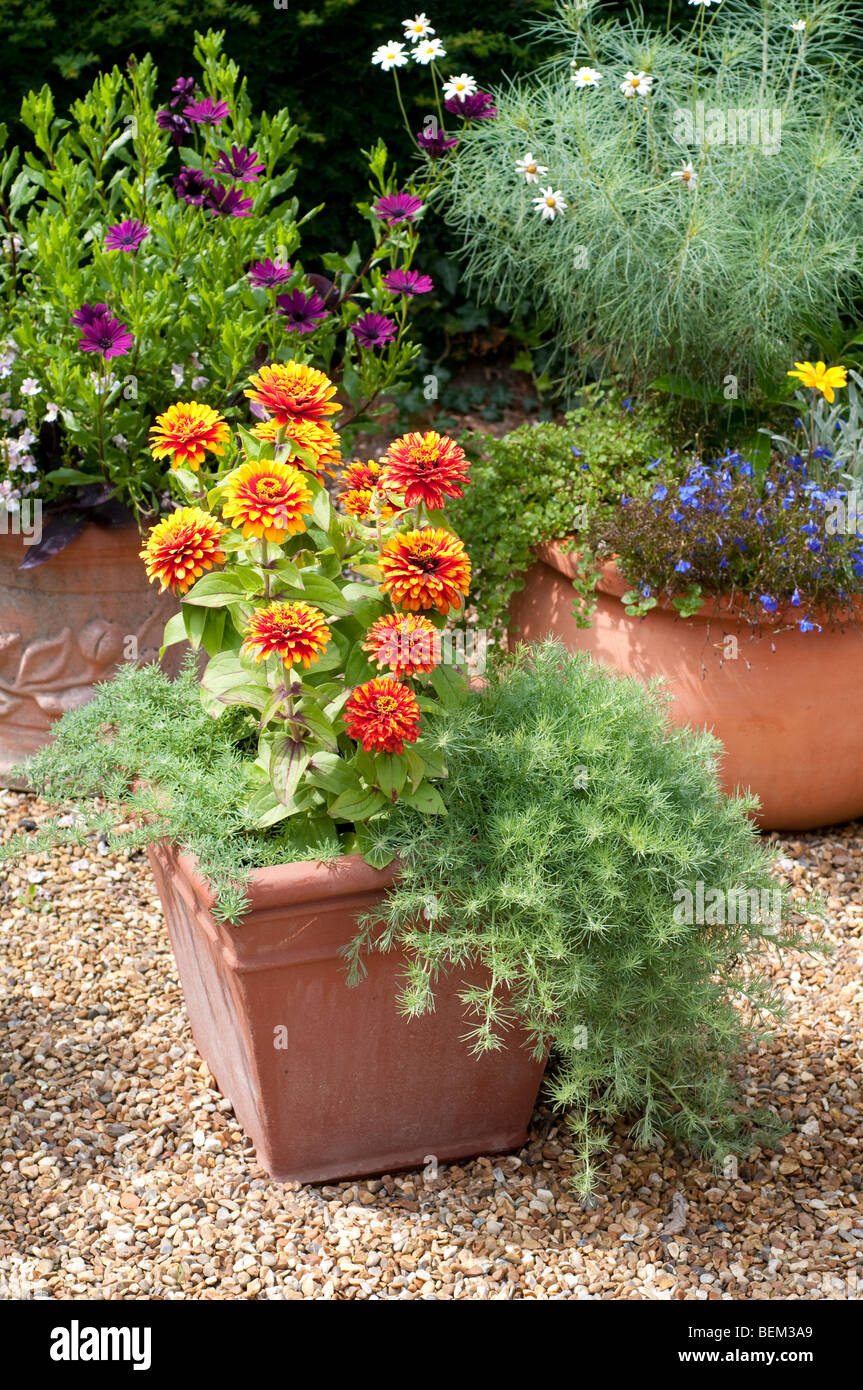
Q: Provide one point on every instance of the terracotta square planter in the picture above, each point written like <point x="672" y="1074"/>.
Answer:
<point x="330" y="1081"/>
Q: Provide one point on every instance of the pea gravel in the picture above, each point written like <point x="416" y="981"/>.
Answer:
<point x="123" y="1174"/>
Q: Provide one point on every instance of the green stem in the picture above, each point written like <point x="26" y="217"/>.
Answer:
<point x="401" y="104"/>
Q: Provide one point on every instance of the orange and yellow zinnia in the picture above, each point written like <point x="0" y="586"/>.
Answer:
<point x="819" y="377"/>
<point x="424" y="569"/>
<point x="316" y="437"/>
<point x="181" y="547"/>
<point x="382" y="715"/>
<point x="405" y="642"/>
<point x="266" y="499"/>
<point x="290" y="390"/>
<point x="296" y="632"/>
<point x="184" y="433"/>
<point x="426" y="468"/>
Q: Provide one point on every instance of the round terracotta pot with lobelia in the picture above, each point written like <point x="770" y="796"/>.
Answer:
<point x="786" y="705"/>
<point x="66" y="625"/>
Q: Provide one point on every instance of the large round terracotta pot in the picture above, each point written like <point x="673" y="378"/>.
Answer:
<point x="787" y="705"/>
<point x="328" y="1080"/>
<point x="67" y="624"/>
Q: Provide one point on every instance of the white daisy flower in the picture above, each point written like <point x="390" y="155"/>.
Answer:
<point x="529" y="167"/>
<point x="51" y="412"/>
<point x="390" y="55"/>
<point x="799" y="26"/>
<point x="549" y="203"/>
<point x="459" y="87"/>
<point x="585" y="77"/>
<point x="30" y="386"/>
<point x="636" y="84"/>
<point x="417" y="28"/>
<point x="706" y="3"/>
<point x="687" y="176"/>
<point x="427" y="52"/>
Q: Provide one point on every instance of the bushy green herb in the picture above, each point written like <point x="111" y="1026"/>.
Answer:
<point x="575" y="814"/>
<point x="542" y="482"/>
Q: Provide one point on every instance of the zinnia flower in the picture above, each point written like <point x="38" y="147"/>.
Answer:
<point x="361" y="473"/>
<point x="207" y="112"/>
<point x="185" y="431"/>
<point x="408" y="282"/>
<point x="435" y="142"/>
<point x="304" y="312"/>
<point x="408" y="644"/>
<point x="373" y="330"/>
<point x="265" y="274"/>
<point x="397" y="207"/>
<point x="240" y="164"/>
<point x="549" y="203"/>
<point x="296" y="632"/>
<point x="191" y="185"/>
<point x="126" y="236"/>
<point x="317" y="437"/>
<point x="227" y="202"/>
<point x="476" y="106"/>
<point x="291" y="390"/>
<point x="425" y="569"/>
<point x="266" y="499"/>
<point x="528" y="166"/>
<point x="382" y="715"/>
<point x="181" y="547"/>
<point x="103" y="333"/>
<point x="390" y="55"/>
<point x="425" y="468"/>
<point x="457" y="88"/>
<point x="821" y="378"/>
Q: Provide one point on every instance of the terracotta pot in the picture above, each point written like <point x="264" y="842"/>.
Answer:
<point x="327" y="1080"/>
<point x="67" y="624"/>
<point x="787" y="705"/>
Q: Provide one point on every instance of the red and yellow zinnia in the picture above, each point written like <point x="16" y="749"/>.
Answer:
<point x="181" y="547"/>
<point x="423" y="569"/>
<point x="382" y="715"/>
<point x="290" y="390"/>
<point x="425" y="468"/>
<point x="406" y="643"/>
<point x="266" y="499"/>
<point x="185" y="431"/>
<point x="317" y="437"/>
<point x="296" y="632"/>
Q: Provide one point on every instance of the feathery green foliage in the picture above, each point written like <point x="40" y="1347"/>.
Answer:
<point x="574" y="815"/>
<point x="640" y="272"/>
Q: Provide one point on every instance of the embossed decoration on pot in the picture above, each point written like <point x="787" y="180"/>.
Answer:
<point x="787" y="705"/>
<point x="66" y="625"/>
<point x="329" y="1080"/>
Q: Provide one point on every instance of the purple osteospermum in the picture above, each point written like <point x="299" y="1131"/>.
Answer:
<point x="183" y="90"/>
<point x="192" y="186"/>
<point x="397" y="207"/>
<point x="479" y="107"/>
<point x="374" y="330"/>
<point x="176" y="125"/>
<point x="436" y="144"/>
<point x="207" y="112"/>
<point x="126" y="236"/>
<point x="228" y="201"/>
<point x="325" y="288"/>
<point x="107" y="335"/>
<point x="88" y="312"/>
<point x="265" y="274"/>
<point x="241" y="164"/>
<point x="304" y="312"/>
<point x="408" y="282"/>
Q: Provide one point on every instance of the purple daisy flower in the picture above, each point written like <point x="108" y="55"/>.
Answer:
<point x="126" y="236"/>
<point x="228" y="202"/>
<point x="436" y="144"/>
<point x="408" y="282"/>
<point x="107" y="335"/>
<point x="88" y="312"/>
<point x="397" y="207"/>
<point x="191" y="185"/>
<point x="207" y="112"/>
<point x="183" y="89"/>
<point x="479" y="107"/>
<point x="241" y="164"/>
<point x="304" y="312"/>
<point x="176" y="125"/>
<point x="265" y="274"/>
<point x="374" y="330"/>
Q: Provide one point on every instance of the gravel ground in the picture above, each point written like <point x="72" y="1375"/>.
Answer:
<point x="124" y="1175"/>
